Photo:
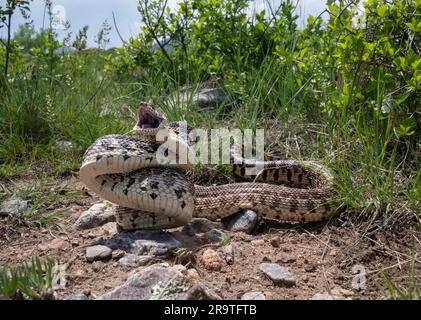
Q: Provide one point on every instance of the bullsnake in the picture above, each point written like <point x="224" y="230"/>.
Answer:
<point x="125" y="170"/>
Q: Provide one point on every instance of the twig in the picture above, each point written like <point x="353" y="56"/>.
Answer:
<point x="326" y="244"/>
<point x="116" y="28"/>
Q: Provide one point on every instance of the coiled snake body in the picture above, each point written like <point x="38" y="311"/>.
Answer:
<point x="125" y="170"/>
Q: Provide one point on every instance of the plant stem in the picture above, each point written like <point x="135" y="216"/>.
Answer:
<point x="9" y="29"/>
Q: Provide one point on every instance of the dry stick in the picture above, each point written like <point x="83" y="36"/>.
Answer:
<point x="391" y="250"/>
<point x="326" y="244"/>
<point x="116" y="28"/>
<point x="152" y="30"/>
<point x="383" y="269"/>
<point x="63" y="230"/>
<point x="21" y="243"/>
<point x="416" y="239"/>
<point x="51" y="233"/>
<point x="9" y="28"/>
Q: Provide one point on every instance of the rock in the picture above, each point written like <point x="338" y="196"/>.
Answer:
<point x="97" y="215"/>
<point x="211" y="260"/>
<point x="98" y="266"/>
<point x="228" y="252"/>
<point x="110" y="228"/>
<point x="309" y="267"/>
<point x="333" y="253"/>
<point x="200" y="225"/>
<point x="275" y="241"/>
<point x="153" y="282"/>
<point x="133" y="261"/>
<point x="244" y="220"/>
<point x="215" y="236"/>
<point x="58" y="244"/>
<point x="209" y="97"/>
<point x="285" y="258"/>
<point x="98" y="252"/>
<point x="192" y="276"/>
<point x="94" y="235"/>
<point x="257" y="242"/>
<point x="79" y="297"/>
<point x="268" y="295"/>
<point x="87" y="292"/>
<point x="205" y="96"/>
<point x="14" y="207"/>
<point x="266" y="259"/>
<point x="55" y="245"/>
<point x="279" y="275"/>
<point x="117" y="254"/>
<point x="144" y="242"/>
<point x="253" y="295"/>
<point x="98" y="241"/>
<point x="200" y="292"/>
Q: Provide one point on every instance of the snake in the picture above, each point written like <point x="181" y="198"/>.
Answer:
<point x="148" y="193"/>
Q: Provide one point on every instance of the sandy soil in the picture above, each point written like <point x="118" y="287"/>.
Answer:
<point x="323" y="257"/>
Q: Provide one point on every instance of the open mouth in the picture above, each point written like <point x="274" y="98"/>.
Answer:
<point x="147" y="120"/>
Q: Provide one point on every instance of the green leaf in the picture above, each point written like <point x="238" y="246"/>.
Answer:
<point x="260" y="26"/>
<point x="402" y="98"/>
<point x="382" y="10"/>
<point x="406" y="128"/>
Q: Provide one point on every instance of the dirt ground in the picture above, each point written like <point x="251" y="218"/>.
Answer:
<point x="340" y="256"/>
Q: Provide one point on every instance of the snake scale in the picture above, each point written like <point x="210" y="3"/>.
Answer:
<point x="124" y="170"/>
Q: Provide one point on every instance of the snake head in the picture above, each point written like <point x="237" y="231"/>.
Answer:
<point x="149" y="119"/>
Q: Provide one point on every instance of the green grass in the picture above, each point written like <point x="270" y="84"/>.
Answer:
<point x="373" y="177"/>
<point x="311" y="117"/>
<point x="33" y="281"/>
<point x="411" y="291"/>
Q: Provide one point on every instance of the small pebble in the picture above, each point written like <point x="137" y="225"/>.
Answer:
<point x="309" y="267"/>
<point x="86" y="292"/>
<point x="254" y="295"/>
<point x="98" y="266"/>
<point x="98" y="253"/>
<point x="75" y="243"/>
<point x="133" y="261"/>
<point x="78" y="297"/>
<point x="117" y="254"/>
<point x="192" y="275"/>
<point x="275" y="242"/>
<point x="285" y="258"/>
<point x="279" y="275"/>
<point x="245" y="220"/>
<point x="215" y="236"/>
<point x="258" y="242"/>
<point x="211" y="260"/>
<point x="266" y="259"/>
<point x="228" y="252"/>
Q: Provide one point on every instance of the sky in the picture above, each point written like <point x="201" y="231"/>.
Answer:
<point x="94" y="12"/>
